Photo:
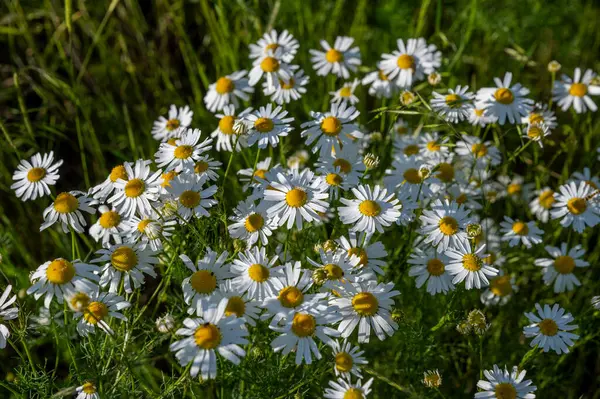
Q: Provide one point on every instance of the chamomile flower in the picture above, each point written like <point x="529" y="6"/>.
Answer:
<point x="193" y="200"/>
<point x="401" y="128"/>
<point x="103" y="190"/>
<point x="251" y="223"/>
<point x="110" y="225"/>
<point x="345" y="389"/>
<point x="125" y="262"/>
<point x="179" y="119"/>
<point x="380" y="85"/>
<point x="332" y="130"/>
<point x="464" y="195"/>
<point x="551" y="328"/>
<point x="408" y="205"/>
<point x="411" y="62"/>
<point x="335" y="180"/>
<point x="406" y="146"/>
<point x="542" y="203"/>
<point x="347" y="159"/>
<point x="271" y="41"/>
<point x="6" y="314"/>
<point x="228" y="89"/>
<point x="206" y="167"/>
<point x="576" y="92"/>
<point x="500" y="290"/>
<point x="271" y="67"/>
<point x="87" y="391"/>
<point x="444" y="225"/>
<point x="559" y="269"/>
<point x="430" y="266"/>
<point x="337" y="268"/>
<point x="474" y="150"/>
<point x="183" y="152"/>
<point x="225" y="134"/>
<point x="455" y="106"/>
<point x="100" y="307"/>
<point x="371" y="210"/>
<point x="250" y="176"/>
<point x="368" y="306"/>
<point x="148" y="230"/>
<point x="295" y="198"/>
<point x="255" y="273"/>
<point x="138" y="190"/>
<point x="347" y="359"/>
<point x="587" y="177"/>
<point x="574" y="205"/>
<point x="33" y="177"/>
<point x="339" y="59"/>
<point x="542" y="115"/>
<point x="62" y="278"/>
<point x="290" y="90"/>
<point x="478" y="116"/>
<point x="411" y="175"/>
<point x="537" y="132"/>
<point x="517" y="231"/>
<point x="205" y="336"/>
<point x="202" y="288"/>
<point x="66" y="209"/>
<point x="433" y="148"/>
<point x="268" y="124"/>
<point x="469" y="266"/>
<point x="370" y="256"/>
<point x="505" y="101"/>
<point x="432" y="378"/>
<point x="240" y="305"/>
<point x="346" y="93"/>
<point x="504" y="384"/>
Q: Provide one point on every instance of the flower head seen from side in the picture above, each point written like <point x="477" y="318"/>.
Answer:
<point x="455" y="106"/>
<point x="551" y="328"/>
<point x="250" y="177"/>
<point x="228" y="89"/>
<point x="109" y="227"/>
<point x="332" y="130"/>
<point x="560" y="268"/>
<point x="540" y="114"/>
<point x="339" y="59"/>
<point x="204" y="337"/>
<point x="575" y="92"/>
<point x="138" y="190"/>
<point x="225" y="134"/>
<point x="34" y="177"/>
<point x="6" y="313"/>
<point x="87" y="391"/>
<point x="347" y="359"/>
<point x="346" y="93"/>
<point x="193" y="200"/>
<point x="380" y="85"/>
<point x="573" y="205"/>
<point x="411" y="62"/>
<point x="336" y="267"/>
<point x="97" y="308"/>
<point x="537" y="132"/>
<point x="103" y="190"/>
<point x="371" y="210"/>
<point x="542" y="203"/>
<point x="343" y="388"/>
<point x="202" y="288"/>
<point x="66" y="209"/>
<point x="478" y="116"/>
<point x="430" y="266"/>
<point x="178" y="119"/>
<point x="268" y="125"/>
<point x="290" y="90"/>
<point x="505" y="101"/>
<point x="432" y="378"/>
<point x="271" y="41"/>
<point x="251" y="224"/>
<point x="371" y="256"/>
<point x="148" y="231"/>
<point x="444" y="224"/>
<point x="125" y="262"/>
<point x="348" y="160"/>
<point x="240" y="304"/>
<point x="184" y="151"/>
<point x="255" y="273"/>
<point x="501" y="289"/>
<point x="503" y="384"/>
<point x="517" y="231"/>
<point x="469" y="266"/>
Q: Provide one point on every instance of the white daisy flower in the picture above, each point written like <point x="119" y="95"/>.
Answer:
<point x="87" y="391"/>
<point x="149" y="230"/>
<point x="401" y="128"/>
<point x="337" y="268"/>
<point x="271" y="41"/>
<point x="370" y="256"/>
<point x="372" y="210"/>
<point x="97" y="308"/>
<point x="212" y="332"/>
<point x="537" y="132"/>
<point x="6" y="314"/>
<point x="268" y="125"/>
<point x="250" y="176"/>
<point x="184" y="152"/>
<point x="366" y="305"/>
<point x="381" y="85"/>
<point x="559" y="269"/>
<point x="469" y="266"/>
<point x="542" y="115"/>
<point x="347" y="159"/>
<point x="297" y="197"/>
<point x="413" y="176"/>
<point x="225" y="134"/>
<point x="347" y="359"/>
<point x="455" y="106"/>
<point x="505" y="101"/>
<point x="339" y="60"/>
<point x="587" y="177"/>
<point x="542" y="203"/>
<point x="444" y="225"/>
<point x="271" y="67"/>
<point x="596" y="302"/>
<point x="335" y="180"/>
<point x="137" y="191"/>
<point x="33" y="177"/>
<point x="202" y="288"/>
<point x="430" y="266"/>
<point x="332" y="130"/>
<point x="193" y="200"/>
<point x="206" y="167"/>
<point x="110" y="225"/>
<point x="576" y="92"/>
<point x="345" y="389"/>
<point x="411" y="62"/>
<point x="500" y="290"/>
<point x="515" y="187"/>
<point x="255" y="273"/>
<point x="66" y="209"/>
<point x="478" y="116"/>
<point x="504" y="384"/>
<point x="240" y="305"/>
<point x="103" y="190"/>
<point x="228" y="89"/>
<point x="550" y="329"/>
<point x="406" y="146"/>
<point x="517" y="231"/>
<point x="474" y="150"/>
<point x="164" y="129"/>
<point x="62" y="278"/>
<point x="346" y="93"/>
<point x="433" y="148"/>
<point x="573" y="205"/>
<point x="290" y="90"/>
<point x="125" y="262"/>
<point x="251" y="223"/>
<point x="464" y="195"/>
<point x="408" y="206"/>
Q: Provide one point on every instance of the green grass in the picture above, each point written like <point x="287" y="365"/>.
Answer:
<point x="88" y="85"/>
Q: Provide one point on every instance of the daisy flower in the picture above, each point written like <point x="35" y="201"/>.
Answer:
<point x="33" y="177"/>
<point x="240" y="305"/>
<point x="347" y="159"/>
<point x="125" y="262"/>
<point x="500" y="290"/>
<point x="336" y="267"/>
<point x="228" y="89"/>
<point x="370" y="256"/>
<point x="473" y="149"/>
<point x="97" y="308"/>
<point x="478" y="116"/>
<point x="408" y="205"/>
<point x="469" y="266"/>
<point x="255" y="273"/>
<point x="202" y="288"/>
<point x="411" y="62"/>
<point x="332" y="130"/>
<point x="271" y="67"/>
<point x="87" y="391"/>
<point x="444" y="224"/>
<point x="103" y="190"/>
<point x="573" y="205"/>
<point x="250" y="176"/>
<point x="110" y="224"/>
<point x="149" y="230"/>
<point x="251" y="223"/>
<point x="164" y="129"/>
<point x="225" y="134"/>
<point x="372" y="210"/>
<point x="271" y="41"/>
<point x="406" y="146"/>
<point x="345" y="389"/>
<point x="347" y="359"/>
<point x="517" y="231"/>
<point x="66" y="209"/>
<point x="505" y="101"/>
<point x="192" y="198"/>
<point x="184" y="152"/>
<point x="401" y="128"/>
<point x="204" y="336"/>
<point x="6" y="314"/>
<point x="542" y="115"/>
<point x="433" y="148"/>
<point x="366" y="305"/>
<point x="297" y="197"/>
<point x="339" y="60"/>
<point x="380" y="85"/>
<point x="136" y="191"/>
<point x="559" y="269"/>
<point x="430" y="266"/>
<point x="542" y="203"/>
<point x="588" y="178"/>
<point x="268" y="125"/>
<point x="551" y="329"/>
<point x="411" y="175"/>
<point x="504" y="384"/>
<point x="62" y="278"/>
<point x="515" y="186"/>
<point x="335" y="180"/>
<point x="455" y="106"/>
<point x="290" y="90"/>
<point x="206" y="167"/>
<point x="537" y="132"/>
<point x="346" y="93"/>
<point x="576" y="92"/>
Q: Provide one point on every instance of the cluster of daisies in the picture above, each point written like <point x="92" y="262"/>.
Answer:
<point x="437" y="183"/>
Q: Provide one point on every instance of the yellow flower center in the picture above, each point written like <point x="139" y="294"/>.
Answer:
<point x="201" y="167"/>
<point x="491" y="258"/>
<point x="535" y="118"/>
<point x="564" y="264"/>
<point x="343" y="362"/>
<point x="361" y="253"/>
<point x="88" y="388"/>
<point x="534" y="132"/>
<point x="445" y="172"/>
<point x="264" y="125"/>
<point x="365" y="304"/>
<point x="411" y="149"/>
<point x="173" y="124"/>
<point x="36" y="174"/>
<point x="576" y="206"/>
<point x="331" y="126"/>
<point x="95" y="312"/>
<point x="412" y="176"/>
<point x="258" y="273"/>
<point x="60" y="271"/>
<point x="303" y="325"/>
<point x="224" y="85"/>
<point x="578" y="90"/>
<point x="80" y="301"/>
<point x="433" y="146"/>
<point x="369" y="208"/>
<point x="520" y="228"/>
<point x="296" y="197"/>
<point x="66" y="203"/>
<point x="332" y="56"/>
<point x="203" y="281"/>
<point x="453" y="100"/>
<point x="548" y="327"/>
<point x="109" y="219"/>
<point x="472" y="262"/>
<point x="504" y="96"/>
<point x="189" y="199"/>
<point x="269" y="64"/>
<point x="435" y="267"/>
<point x="183" y="151"/>
<point x="514" y="188"/>
<point x="501" y="286"/>
<point x="272" y="46"/>
<point x="382" y="76"/>
<point x="290" y="297"/>
<point x="333" y="179"/>
<point x="479" y="112"/>
<point x="118" y="172"/>
<point x="167" y="177"/>
<point x="262" y="173"/>
<point x="207" y="336"/>
<point x="461" y="199"/>
<point x="345" y="91"/>
<point x="134" y="188"/>
<point x="226" y="125"/>
<point x="172" y="141"/>
<point x="143" y="224"/>
<point x="124" y="259"/>
<point x="505" y="390"/>
<point x="254" y="222"/>
<point x="406" y="61"/>
<point x="344" y="165"/>
<point x="354" y="393"/>
<point x="333" y="271"/>
<point x="448" y="225"/>
<point x="479" y="150"/>
<point x="235" y="306"/>
<point x="546" y="199"/>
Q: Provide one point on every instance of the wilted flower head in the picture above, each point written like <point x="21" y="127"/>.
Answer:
<point x="407" y="97"/>
<point x="432" y="379"/>
<point x="165" y="323"/>
<point x="434" y="78"/>
<point x="371" y="160"/>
